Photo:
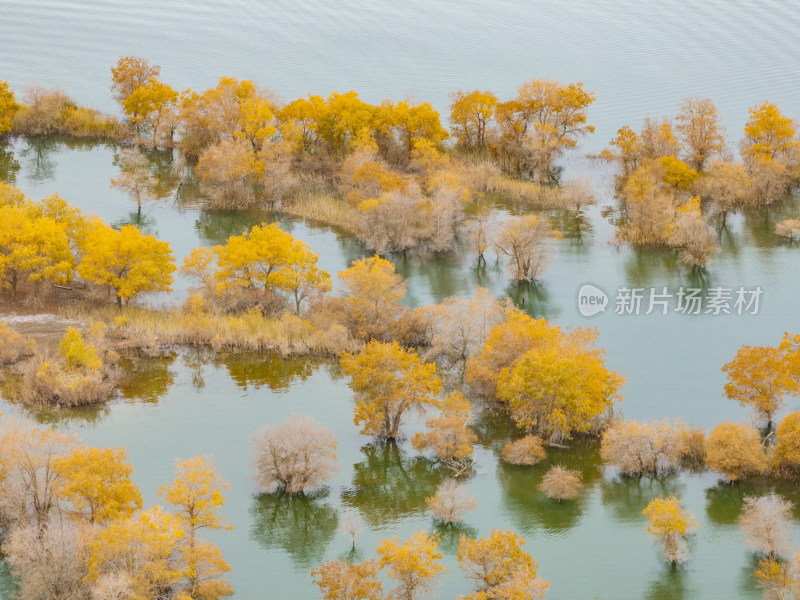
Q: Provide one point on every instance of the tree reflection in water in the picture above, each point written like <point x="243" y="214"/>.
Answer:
<point x="629" y="496"/>
<point x="272" y="371"/>
<point x="670" y="585"/>
<point x="9" y="165"/>
<point x="450" y="535"/>
<point x="300" y="525"/>
<point x="389" y="486"/>
<point x="146" y="378"/>
<point x="530" y="509"/>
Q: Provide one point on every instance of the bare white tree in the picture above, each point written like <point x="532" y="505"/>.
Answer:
<point x="296" y="456"/>
<point x="48" y="563"/>
<point x="460" y="326"/>
<point x="451" y="501"/>
<point x="639" y="448"/>
<point x="113" y="586"/>
<point x="525" y="241"/>
<point x="766" y="522"/>
<point x="351" y="524"/>
<point x="135" y="176"/>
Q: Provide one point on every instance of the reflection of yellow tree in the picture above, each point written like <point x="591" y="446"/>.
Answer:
<point x="388" y="486"/>
<point x="146" y="378"/>
<point x="302" y="526"/>
<point x="266" y="370"/>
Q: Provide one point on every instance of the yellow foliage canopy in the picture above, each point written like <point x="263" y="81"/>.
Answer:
<point x="97" y="483"/>
<point x="413" y="564"/>
<point x="500" y="566"/>
<point x="389" y="382"/>
<point x="735" y="451"/>
<point x="762" y="376"/>
<point x="127" y="261"/>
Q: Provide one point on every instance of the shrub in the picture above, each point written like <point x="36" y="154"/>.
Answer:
<point x="524" y="451"/>
<point x="560" y="483"/>
<point x="298" y="455"/>
<point x="735" y="451"/>
<point x="451" y="501"/>
<point x="13" y="346"/>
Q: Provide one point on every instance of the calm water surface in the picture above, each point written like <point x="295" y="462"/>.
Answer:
<point x="640" y="58"/>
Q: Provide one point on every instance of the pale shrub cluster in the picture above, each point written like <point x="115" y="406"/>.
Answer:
<point x="451" y="501"/>
<point x="297" y="456"/>
<point x="524" y="451"/>
<point x="560" y="483"/>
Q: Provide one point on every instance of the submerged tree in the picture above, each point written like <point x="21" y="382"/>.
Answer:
<point x="389" y="382"/>
<point x="735" y="451"/>
<point x="135" y="177"/>
<point x="766" y="523"/>
<point x="197" y="496"/>
<point x="297" y="456"/>
<point x="560" y="483"/>
<point x="671" y="524"/>
<point x="642" y="448"/>
<point x="414" y="564"/>
<point x="500" y="567"/>
<point x="761" y="377"/>
<point x="345" y="580"/>
<point x="525" y="241"/>
<point x="96" y="482"/>
<point x="527" y="450"/>
<point x="451" y="501"/>
<point x="372" y="292"/>
<point x="449" y="436"/>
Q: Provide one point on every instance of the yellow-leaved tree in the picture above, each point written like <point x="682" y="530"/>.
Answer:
<point x="761" y="377"/>
<point x="138" y="554"/>
<point x="8" y="108"/>
<point x="671" y="524"/>
<point x="256" y="122"/>
<point x="414" y="564"/>
<point x="470" y="114"/>
<point x="96" y="482"/>
<point x="372" y="292"/>
<point x="500" y="567"/>
<point x="127" y="261"/>
<point x="768" y="133"/>
<point x="389" y="381"/>
<point x="544" y="119"/>
<point x="449" y="436"/>
<point x="786" y="454"/>
<point x="33" y="248"/>
<point x="345" y="580"/>
<point x="196" y="494"/>
<point x="266" y="258"/>
<point x="561" y="388"/>
<point x="515" y="334"/>
<point x="735" y="451"/>
<point x="148" y="106"/>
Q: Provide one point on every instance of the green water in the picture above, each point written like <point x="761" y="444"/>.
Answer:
<point x="197" y="402"/>
<point x="641" y="58"/>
